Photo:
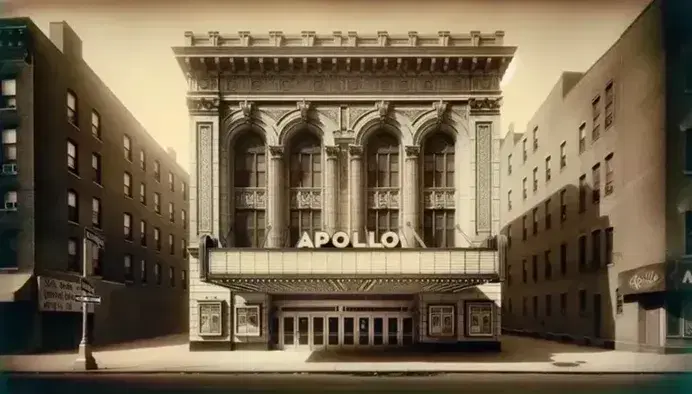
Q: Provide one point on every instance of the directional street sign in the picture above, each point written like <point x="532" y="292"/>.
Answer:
<point x="87" y="287"/>
<point x="92" y="236"/>
<point x="88" y="299"/>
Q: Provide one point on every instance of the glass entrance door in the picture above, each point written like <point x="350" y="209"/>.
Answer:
<point x="377" y="331"/>
<point x="288" y="331"/>
<point x="303" y="332"/>
<point x="318" y="339"/>
<point x="364" y="331"/>
<point x="333" y="331"/>
<point x="349" y="331"/>
<point x="392" y="331"/>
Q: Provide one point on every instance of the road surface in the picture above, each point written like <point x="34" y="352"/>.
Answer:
<point x="268" y="383"/>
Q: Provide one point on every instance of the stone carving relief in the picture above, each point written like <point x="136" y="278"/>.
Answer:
<point x="250" y="198"/>
<point x="440" y="198"/>
<point x="461" y="110"/>
<point x="440" y="108"/>
<point x="203" y="104"/>
<point x="304" y="108"/>
<point x="247" y="108"/>
<point x="382" y="108"/>
<point x="332" y="152"/>
<point x="355" y="151"/>
<point x="412" y="151"/>
<point x="276" y="152"/>
<point x="204" y="177"/>
<point x="354" y="114"/>
<point x="331" y="113"/>
<point x="275" y="113"/>
<point x="383" y="198"/>
<point x="412" y="113"/>
<point x="306" y="198"/>
<point x="483" y="176"/>
<point x="485" y="104"/>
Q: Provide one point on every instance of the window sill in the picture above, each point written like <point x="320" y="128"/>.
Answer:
<point x="73" y="125"/>
<point x="98" y="184"/>
<point x="72" y="222"/>
<point x="128" y="240"/>
<point x="73" y="173"/>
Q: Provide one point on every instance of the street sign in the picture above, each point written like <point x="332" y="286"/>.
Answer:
<point x="95" y="238"/>
<point x="87" y="287"/>
<point x="88" y="299"/>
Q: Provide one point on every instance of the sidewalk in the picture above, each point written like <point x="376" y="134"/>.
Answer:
<point x="519" y="355"/>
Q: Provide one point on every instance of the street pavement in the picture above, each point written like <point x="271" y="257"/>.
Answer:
<point x="311" y="383"/>
<point x="519" y="355"/>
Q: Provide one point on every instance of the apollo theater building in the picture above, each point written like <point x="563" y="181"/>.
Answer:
<point x="344" y="189"/>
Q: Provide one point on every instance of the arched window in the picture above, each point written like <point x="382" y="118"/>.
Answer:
<point x="438" y="191"/>
<point x="382" y="163"/>
<point x="249" y="178"/>
<point x="305" y="184"/>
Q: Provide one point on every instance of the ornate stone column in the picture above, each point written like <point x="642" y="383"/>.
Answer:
<point x="355" y="187"/>
<point x="274" y="198"/>
<point x="329" y="203"/>
<point x="410" y="192"/>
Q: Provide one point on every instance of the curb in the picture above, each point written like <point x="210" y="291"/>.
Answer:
<point x="351" y="373"/>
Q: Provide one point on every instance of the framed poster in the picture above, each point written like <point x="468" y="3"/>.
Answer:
<point x="210" y="318"/>
<point x="479" y="319"/>
<point x="247" y="320"/>
<point x="441" y="320"/>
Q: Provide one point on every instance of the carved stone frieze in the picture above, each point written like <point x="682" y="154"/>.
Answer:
<point x="250" y="198"/>
<point x="485" y="104"/>
<point x="344" y="136"/>
<point x="438" y="198"/>
<point x="383" y="198"/>
<point x="201" y="84"/>
<point x="359" y="84"/>
<point x="276" y="152"/>
<point x="203" y="105"/>
<point x="275" y="113"/>
<point x="412" y="151"/>
<point x="355" y="151"/>
<point x="306" y="198"/>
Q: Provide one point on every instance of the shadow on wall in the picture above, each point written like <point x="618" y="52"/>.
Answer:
<point x="555" y="281"/>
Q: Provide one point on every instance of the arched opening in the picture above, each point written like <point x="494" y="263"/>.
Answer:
<point x="383" y="182"/>
<point x="438" y="190"/>
<point x="305" y="185"/>
<point x="249" y="182"/>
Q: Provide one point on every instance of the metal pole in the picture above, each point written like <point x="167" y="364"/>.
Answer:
<point x="85" y="359"/>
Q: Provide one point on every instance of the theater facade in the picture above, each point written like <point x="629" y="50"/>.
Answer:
<point x="344" y="189"/>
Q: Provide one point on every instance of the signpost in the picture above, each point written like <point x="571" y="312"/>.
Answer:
<point x="85" y="359"/>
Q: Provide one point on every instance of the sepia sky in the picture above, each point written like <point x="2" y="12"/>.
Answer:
<point x="128" y="43"/>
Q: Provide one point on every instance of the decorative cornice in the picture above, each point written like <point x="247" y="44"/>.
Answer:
<point x="355" y="151"/>
<point x="332" y="151"/>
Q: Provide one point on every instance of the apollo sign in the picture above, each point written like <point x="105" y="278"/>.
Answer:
<point x="340" y="240"/>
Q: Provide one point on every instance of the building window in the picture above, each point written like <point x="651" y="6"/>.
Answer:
<point x="183" y="248"/>
<point x="596" y="248"/>
<point x="582" y="253"/>
<point x="609" y="104"/>
<point x="157" y="273"/>
<point x="72" y="206"/>
<point x="524" y="193"/>
<point x="143" y="271"/>
<point x="535" y="138"/>
<point x="382" y="164"/>
<point x="157" y="203"/>
<point x="210" y="314"/>
<point x="127" y="267"/>
<point x="95" y="124"/>
<point x="171" y="244"/>
<point x="143" y="233"/>
<point x="171" y="276"/>
<point x="11" y="201"/>
<point x="157" y="171"/>
<point x="509" y="164"/>
<point x="548" y="305"/>
<point x="247" y="320"/>
<point x="563" y="205"/>
<point x="523" y="228"/>
<point x="157" y="238"/>
<point x="441" y="320"/>
<point x="127" y="147"/>
<point x="183" y="217"/>
<point x="563" y="304"/>
<point x="563" y="155"/>
<point x="171" y="212"/>
<point x="524" y="155"/>
<point x="171" y="182"/>
<point x="142" y="160"/>
<point x="96" y="167"/>
<point x="127" y="226"/>
<point x="609" y="185"/>
<point x="183" y="188"/>
<point x="548" y="268"/>
<point x="596" y="180"/>
<point x="582" y="138"/>
<point x="547" y="169"/>
<point x="534" y="217"/>
<point x="143" y="193"/>
<point x="679" y="317"/>
<point x="96" y="212"/>
<point x="524" y="307"/>
<point x="582" y="193"/>
<point x="9" y="146"/>
<point x="96" y="258"/>
<point x="534" y="268"/>
<point x="595" y="115"/>
<point x="548" y="215"/>
<point x="535" y="179"/>
<point x="250" y="167"/>
<point x="609" y="246"/>
<point x="127" y="184"/>
<point x="183" y="279"/>
<point x="73" y="255"/>
<point x="72" y="112"/>
<point x="524" y="271"/>
<point x="438" y="177"/>
<point x="535" y="307"/>
<point x="8" y="91"/>
<point x="509" y="200"/>
<point x="582" y="302"/>
<point x="563" y="259"/>
<point x="72" y="162"/>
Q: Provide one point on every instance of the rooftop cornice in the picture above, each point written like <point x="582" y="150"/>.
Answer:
<point x="350" y="39"/>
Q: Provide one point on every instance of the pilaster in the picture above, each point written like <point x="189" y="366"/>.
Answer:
<point x="204" y="184"/>
<point x="275" y="224"/>
<point x="330" y="203"/>
<point x="410" y="191"/>
<point x="355" y="153"/>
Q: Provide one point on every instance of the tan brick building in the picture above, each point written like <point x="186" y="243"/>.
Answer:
<point x="588" y="201"/>
<point x="345" y="134"/>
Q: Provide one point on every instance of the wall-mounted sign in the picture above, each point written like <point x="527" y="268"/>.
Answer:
<point x="341" y="240"/>
<point x="647" y="279"/>
<point x="55" y="295"/>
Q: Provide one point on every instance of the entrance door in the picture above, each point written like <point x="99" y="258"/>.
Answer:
<point x="392" y="331"/>
<point x="289" y="331"/>
<point x="407" y="331"/>
<point x="378" y="331"/>
<point x="349" y="331"/>
<point x="303" y="331"/>
<point x="363" y="330"/>
<point x="333" y="331"/>
<point x="318" y="339"/>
